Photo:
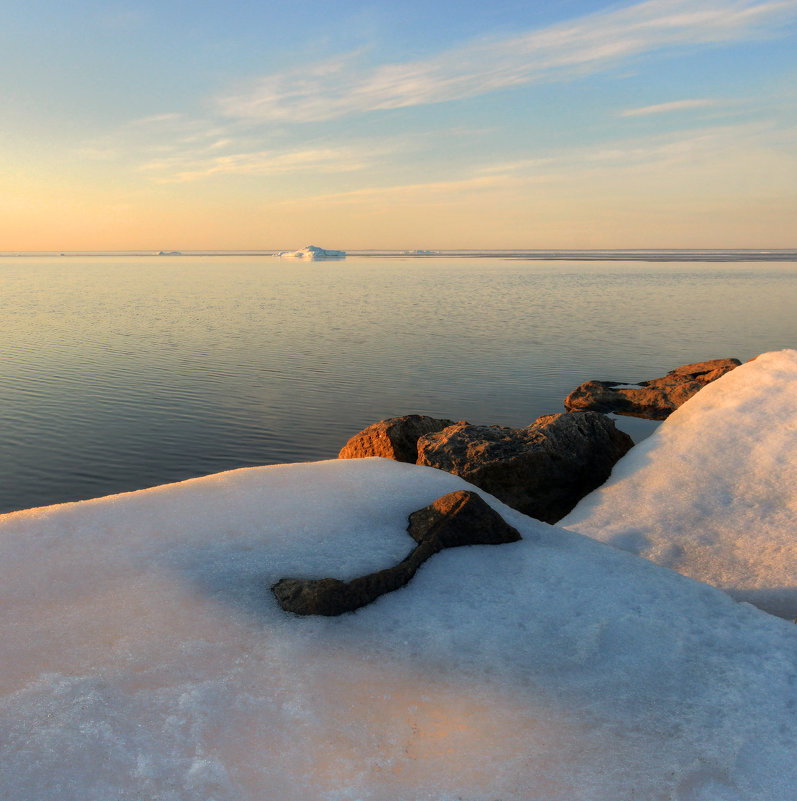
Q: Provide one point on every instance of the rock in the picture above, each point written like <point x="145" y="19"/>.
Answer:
<point x="655" y="399"/>
<point x="542" y="470"/>
<point x="459" y="518"/>
<point x="394" y="438"/>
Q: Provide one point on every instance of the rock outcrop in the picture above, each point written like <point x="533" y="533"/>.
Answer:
<point x="542" y="470"/>
<point x="654" y="399"/>
<point x="394" y="438"/>
<point x="459" y="518"/>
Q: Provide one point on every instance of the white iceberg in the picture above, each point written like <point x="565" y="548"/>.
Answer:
<point x="143" y="656"/>
<point x="312" y="253"/>
<point x="713" y="493"/>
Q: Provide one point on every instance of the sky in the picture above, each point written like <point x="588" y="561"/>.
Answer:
<point x="256" y="125"/>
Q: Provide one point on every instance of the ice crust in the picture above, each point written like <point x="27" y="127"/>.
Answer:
<point x="713" y="493"/>
<point x="143" y="656"/>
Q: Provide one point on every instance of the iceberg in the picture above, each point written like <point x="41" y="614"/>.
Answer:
<point x="713" y="492"/>
<point x="312" y="253"/>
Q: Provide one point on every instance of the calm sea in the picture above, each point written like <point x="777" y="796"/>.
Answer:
<point x="123" y="372"/>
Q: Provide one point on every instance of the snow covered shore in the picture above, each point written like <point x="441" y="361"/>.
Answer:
<point x="713" y="493"/>
<point x="143" y="655"/>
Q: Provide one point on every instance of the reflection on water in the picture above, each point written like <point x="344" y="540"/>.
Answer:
<point x="118" y="373"/>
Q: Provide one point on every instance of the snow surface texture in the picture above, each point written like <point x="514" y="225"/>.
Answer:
<point x="312" y="253"/>
<point x="713" y="493"/>
<point x="144" y="657"/>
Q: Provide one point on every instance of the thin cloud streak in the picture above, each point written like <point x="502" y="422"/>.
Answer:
<point x="180" y="169"/>
<point x="456" y="187"/>
<point x="670" y="155"/>
<point x="342" y="86"/>
<point x="666" y="108"/>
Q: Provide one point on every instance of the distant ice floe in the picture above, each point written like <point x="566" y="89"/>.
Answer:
<point x="312" y="253"/>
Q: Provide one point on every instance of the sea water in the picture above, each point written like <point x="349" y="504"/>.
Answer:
<point x="123" y="372"/>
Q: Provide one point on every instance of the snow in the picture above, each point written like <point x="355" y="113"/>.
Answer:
<point x="312" y="253"/>
<point x="144" y="656"/>
<point x="713" y="492"/>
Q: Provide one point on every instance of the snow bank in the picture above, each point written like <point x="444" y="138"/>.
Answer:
<point x="144" y="656"/>
<point x="713" y="493"/>
<point x="312" y="253"/>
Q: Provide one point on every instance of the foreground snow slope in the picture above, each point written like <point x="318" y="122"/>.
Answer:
<point x="713" y="493"/>
<point x="143" y="656"/>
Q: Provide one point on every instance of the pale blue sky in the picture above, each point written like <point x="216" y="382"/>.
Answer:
<point x="406" y="124"/>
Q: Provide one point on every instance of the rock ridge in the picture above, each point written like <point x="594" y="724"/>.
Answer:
<point x="654" y="399"/>
<point x="458" y="518"/>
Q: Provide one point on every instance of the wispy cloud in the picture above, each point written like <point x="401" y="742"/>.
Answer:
<point x="334" y="88"/>
<point x="665" y="156"/>
<point x="666" y="108"/>
<point x="176" y="148"/>
<point x="409" y="192"/>
<point x="191" y="167"/>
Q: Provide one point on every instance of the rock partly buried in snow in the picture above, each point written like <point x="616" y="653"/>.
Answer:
<point x="655" y="399"/>
<point x="312" y="253"/>
<point x="394" y="438"/>
<point x="542" y="470"/>
<point x="458" y="518"/>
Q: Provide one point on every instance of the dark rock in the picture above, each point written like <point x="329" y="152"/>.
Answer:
<point x="542" y="470"/>
<point x="459" y="518"/>
<point x="394" y="438"/>
<point x="655" y="399"/>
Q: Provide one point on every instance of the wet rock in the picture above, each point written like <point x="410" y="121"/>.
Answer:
<point x="654" y="399"/>
<point x="459" y="518"/>
<point x="542" y="470"/>
<point x="394" y="438"/>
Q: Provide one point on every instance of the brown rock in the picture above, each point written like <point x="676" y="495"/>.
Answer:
<point x="656" y="398"/>
<point x="459" y="518"/>
<point x="542" y="470"/>
<point x="394" y="438"/>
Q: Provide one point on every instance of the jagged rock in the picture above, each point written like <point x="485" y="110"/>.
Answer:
<point x="542" y="470"/>
<point x="655" y="399"/>
<point x="459" y="518"/>
<point x="394" y="438"/>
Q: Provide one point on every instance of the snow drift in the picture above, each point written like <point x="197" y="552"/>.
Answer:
<point x="713" y="493"/>
<point x="143" y="655"/>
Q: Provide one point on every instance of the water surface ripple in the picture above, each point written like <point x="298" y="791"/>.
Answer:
<point x="118" y="373"/>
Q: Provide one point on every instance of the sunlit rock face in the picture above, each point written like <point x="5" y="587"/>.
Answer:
<point x="394" y="438"/>
<point x="543" y="470"/>
<point x="312" y="253"/>
<point x="656" y="398"/>
<point x="713" y="492"/>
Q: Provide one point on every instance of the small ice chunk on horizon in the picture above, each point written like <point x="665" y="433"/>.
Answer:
<point x="312" y="253"/>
